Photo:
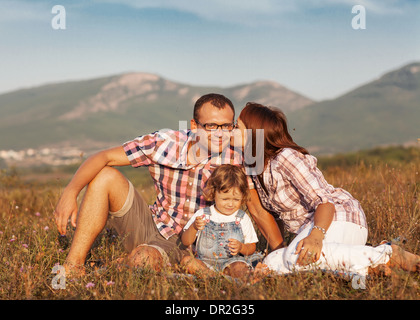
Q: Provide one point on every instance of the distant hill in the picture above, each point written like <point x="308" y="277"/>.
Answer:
<point x="98" y="113"/>
<point x="383" y="112"/>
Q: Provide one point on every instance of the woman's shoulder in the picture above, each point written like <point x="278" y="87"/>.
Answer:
<point x="288" y="154"/>
<point x="289" y="159"/>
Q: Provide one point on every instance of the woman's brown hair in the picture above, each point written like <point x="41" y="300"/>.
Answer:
<point x="224" y="178"/>
<point x="273" y="121"/>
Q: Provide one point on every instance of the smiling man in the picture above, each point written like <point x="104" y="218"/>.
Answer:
<point x="180" y="162"/>
<point x="212" y="126"/>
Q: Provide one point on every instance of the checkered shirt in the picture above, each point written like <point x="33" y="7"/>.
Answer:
<point x="294" y="187"/>
<point x="178" y="185"/>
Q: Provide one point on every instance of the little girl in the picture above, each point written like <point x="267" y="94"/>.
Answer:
<point x="226" y="238"/>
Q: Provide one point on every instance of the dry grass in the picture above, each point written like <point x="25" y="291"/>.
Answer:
<point x="30" y="249"/>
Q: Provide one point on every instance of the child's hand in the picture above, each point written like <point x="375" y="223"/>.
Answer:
<point x="235" y="246"/>
<point x="199" y="223"/>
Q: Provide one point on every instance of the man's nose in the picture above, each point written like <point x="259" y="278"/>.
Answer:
<point x="218" y="132"/>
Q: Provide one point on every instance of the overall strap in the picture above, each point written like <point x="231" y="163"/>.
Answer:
<point x="207" y="211"/>
<point x="239" y="215"/>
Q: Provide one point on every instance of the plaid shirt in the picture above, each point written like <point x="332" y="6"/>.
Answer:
<point x="178" y="185"/>
<point x="295" y="187"/>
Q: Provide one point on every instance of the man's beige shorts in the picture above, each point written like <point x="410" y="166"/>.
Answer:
<point x="134" y="223"/>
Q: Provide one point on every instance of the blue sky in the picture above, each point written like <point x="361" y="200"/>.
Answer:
<point x="308" y="46"/>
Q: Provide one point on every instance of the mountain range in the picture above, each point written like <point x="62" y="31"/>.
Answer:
<point x="98" y="113"/>
<point x="380" y="113"/>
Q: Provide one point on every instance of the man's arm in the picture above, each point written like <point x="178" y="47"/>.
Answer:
<point x="67" y="205"/>
<point x="265" y="221"/>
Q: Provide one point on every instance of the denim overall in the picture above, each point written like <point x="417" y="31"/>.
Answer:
<point x="212" y="243"/>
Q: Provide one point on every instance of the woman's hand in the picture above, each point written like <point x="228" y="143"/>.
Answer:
<point x="309" y="248"/>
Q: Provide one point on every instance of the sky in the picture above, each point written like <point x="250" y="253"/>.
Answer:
<point x="314" y="47"/>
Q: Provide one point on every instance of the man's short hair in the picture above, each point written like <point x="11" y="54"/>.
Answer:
<point x="217" y="100"/>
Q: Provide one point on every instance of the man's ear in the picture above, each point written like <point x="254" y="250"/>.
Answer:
<point x="193" y="125"/>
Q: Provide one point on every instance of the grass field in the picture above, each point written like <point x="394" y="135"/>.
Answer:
<point x="30" y="246"/>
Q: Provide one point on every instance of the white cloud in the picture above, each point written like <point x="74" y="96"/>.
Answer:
<point x="22" y="11"/>
<point x="264" y="11"/>
<point x="236" y="11"/>
<point x="243" y="12"/>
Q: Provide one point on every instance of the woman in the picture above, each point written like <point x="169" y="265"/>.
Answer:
<point x="330" y="224"/>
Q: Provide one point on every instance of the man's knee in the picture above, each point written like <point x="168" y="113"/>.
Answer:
<point x="106" y="176"/>
<point x="111" y="182"/>
<point x="146" y="257"/>
<point x="237" y="269"/>
<point x="186" y="260"/>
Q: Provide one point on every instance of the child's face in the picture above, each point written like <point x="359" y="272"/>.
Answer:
<point x="229" y="202"/>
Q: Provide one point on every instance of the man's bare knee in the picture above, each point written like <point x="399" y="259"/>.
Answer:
<point x="237" y="269"/>
<point x="105" y="177"/>
<point x="111" y="182"/>
<point x="186" y="260"/>
<point x="146" y="257"/>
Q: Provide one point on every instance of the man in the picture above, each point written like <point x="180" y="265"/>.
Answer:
<point x="179" y="162"/>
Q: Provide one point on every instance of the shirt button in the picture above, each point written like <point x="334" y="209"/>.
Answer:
<point x="190" y="183"/>
<point x="188" y="200"/>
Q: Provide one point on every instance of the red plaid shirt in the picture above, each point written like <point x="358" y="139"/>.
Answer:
<point x="178" y="185"/>
<point x="295" y="187"/>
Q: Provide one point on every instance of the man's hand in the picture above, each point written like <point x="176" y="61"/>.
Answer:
<point x="66" y="207"/>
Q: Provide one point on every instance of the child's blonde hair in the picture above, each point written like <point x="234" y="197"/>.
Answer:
<point x="224" y="178"/>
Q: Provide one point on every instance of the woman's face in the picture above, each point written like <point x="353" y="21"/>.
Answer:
<point x="239" y="134"/>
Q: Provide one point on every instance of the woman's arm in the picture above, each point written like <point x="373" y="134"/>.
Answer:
<point x="309" y="248"/>
<point x="304" y="175"/>
<point x="265" y="221"/>
<point x="323" y="217"/>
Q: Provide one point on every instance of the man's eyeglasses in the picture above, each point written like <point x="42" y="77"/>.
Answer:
<point x="215" y="126"/>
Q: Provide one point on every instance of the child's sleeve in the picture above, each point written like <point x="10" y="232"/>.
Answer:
<point x="192" y="219"/>
<point x="248" y="229"/>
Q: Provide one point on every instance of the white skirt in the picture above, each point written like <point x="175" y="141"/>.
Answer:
<point x="343" y="251"/>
